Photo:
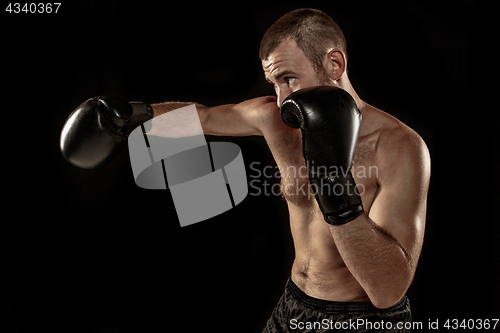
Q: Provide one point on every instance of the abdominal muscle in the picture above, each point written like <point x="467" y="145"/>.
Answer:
<point x="318" y="269"/>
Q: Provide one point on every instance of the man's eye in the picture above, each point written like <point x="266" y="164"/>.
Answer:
<point x="290" y="80"/>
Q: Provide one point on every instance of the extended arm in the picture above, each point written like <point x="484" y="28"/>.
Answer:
<point x="241" y="119"/>
<point x="98" y="128"/>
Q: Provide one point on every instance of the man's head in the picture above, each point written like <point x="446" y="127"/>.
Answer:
<point x="303" y="48"/>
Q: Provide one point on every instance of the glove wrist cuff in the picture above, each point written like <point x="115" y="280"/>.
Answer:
<point x="142" y="112"/>
<point x="338" y="198"/>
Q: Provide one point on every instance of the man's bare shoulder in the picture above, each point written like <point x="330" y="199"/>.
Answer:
<point x="259" y="104"/>
<point x="398" y="146"/>
<point x="267" y="113"/>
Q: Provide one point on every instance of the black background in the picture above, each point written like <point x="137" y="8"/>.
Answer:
<point x="89" y="251"/>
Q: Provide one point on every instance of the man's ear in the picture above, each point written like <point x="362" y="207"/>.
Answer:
<point x="335" y="64"/>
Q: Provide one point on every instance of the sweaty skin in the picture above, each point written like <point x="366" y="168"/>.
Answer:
<point x="374" y="257"/>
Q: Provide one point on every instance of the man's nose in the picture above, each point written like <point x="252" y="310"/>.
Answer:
<point x="282" y="95"/>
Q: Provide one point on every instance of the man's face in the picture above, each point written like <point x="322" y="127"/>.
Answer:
<point x="288" y="70"/>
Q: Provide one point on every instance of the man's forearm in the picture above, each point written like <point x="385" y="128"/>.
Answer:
<point x="377" y="261"/>
<point x="162" y="108"/>
<point x="176" y="124"/>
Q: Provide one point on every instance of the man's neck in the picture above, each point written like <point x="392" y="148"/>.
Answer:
<point x="345" y="84"/>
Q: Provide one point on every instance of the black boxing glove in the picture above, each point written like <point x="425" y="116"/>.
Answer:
<point x="329" y="120"/>
<point x="98" y="129"/>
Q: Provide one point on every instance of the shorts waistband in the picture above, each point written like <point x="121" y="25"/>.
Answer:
<point x="336" y="307"/>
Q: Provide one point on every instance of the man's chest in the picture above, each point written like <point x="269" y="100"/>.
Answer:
<point x="287" y="151"/>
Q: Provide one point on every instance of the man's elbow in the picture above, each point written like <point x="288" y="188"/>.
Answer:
<point x="388" y="299"/>
<point x="389" y="294"/>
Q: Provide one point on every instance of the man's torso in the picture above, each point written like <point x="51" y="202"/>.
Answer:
<point x="318" y="268"/>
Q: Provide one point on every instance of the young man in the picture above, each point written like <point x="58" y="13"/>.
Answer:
<point x="373" y="258"/>
<point x="351" y="275"/>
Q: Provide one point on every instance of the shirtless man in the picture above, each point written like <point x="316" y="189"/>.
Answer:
<point x="356" y="270"/>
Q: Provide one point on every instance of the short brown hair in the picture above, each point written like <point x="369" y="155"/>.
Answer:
<point x="314" y="32"/>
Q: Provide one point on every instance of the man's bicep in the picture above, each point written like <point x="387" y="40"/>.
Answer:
<point x="234" y="119"/>
<point x="400" y="204"/>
